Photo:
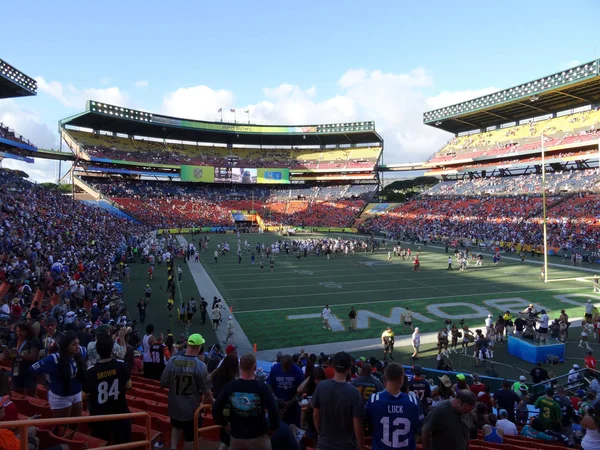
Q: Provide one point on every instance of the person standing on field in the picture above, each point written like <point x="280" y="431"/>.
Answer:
<point x="352" y="317"/>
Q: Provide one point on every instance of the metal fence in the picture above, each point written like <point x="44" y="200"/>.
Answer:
<point x="574" y="352"/>
<point x="488" y="367"/>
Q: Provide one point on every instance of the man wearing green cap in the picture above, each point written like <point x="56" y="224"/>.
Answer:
<point x="189" y="386"/>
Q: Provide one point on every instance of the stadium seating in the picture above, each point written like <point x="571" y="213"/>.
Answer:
<point x="117" y="148"/>
<point x="182" y="205"/>
<point x="11" y="135"/>
<point x="564" y="131"/>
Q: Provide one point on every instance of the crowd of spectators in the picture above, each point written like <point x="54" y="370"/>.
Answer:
<point x="104" y="146"/>
<point x="505" y="142"/>
<point x="10" y="134"/>
<point x="508" y="210"/>
<point x="182" y="205"/>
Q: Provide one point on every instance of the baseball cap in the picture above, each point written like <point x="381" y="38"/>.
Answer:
<point x="342" y="361"/>
<point x="522" y="378"/>
<point x="580" y="393"/>
<point x="195" y="340"/>
<point x="230" y="348"/>
<point x="417" y="369"/>
<point x="575" y="366"/>
<point x="230" y="317"/>
<point x="460" y="377"/>
<point x="362" y="359"/>
<point x="503" y="412"/>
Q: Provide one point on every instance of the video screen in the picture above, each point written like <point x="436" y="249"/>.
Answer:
<point x="235" y="175"/>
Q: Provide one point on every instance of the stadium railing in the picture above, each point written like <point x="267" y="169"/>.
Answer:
<point x="470" y="363"/>
<point x="492" y="382"/>
<point x="22" y="425"/>
<point x="210" y="432"/>
<point x="581" y="383"/>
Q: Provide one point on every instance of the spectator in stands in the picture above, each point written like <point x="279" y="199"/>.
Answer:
<point x="225" y="373"/>
<point x="447" y="425"/>
<point x="550" y="412"/>
<point x="338" y="409"/>
<point x="8" y="410"/>
<point x="304" y="397"/>
<point x="383" y="409"/>
<point x="284" y="438"/>
<point x="591" y="424"/>
<point x="117" y="336"/>
<point x="22" y="353"/>
<point x="147" y="341"/>
<point x="420" y="387"/>
<point x="366" y="383"/>
<point x="492" y="432"/>
<point x="66" y="372"/>
<point x="535" y="430"/>
<point x="506" y="399"/>
<point x="538" y="374"/>
<point x="189" y="385"/>
<point x="53" y="337"/>
<point x="508" y="427"/>
<point x="284" y="379"/>
<point x="443" y="391"/>
<point x="106" y="384"/>
<point x="247" y="399"/>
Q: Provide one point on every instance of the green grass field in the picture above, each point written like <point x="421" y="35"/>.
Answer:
<point x="282" y="309"/>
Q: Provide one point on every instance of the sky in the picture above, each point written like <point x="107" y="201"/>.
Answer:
<point x="305" y="63"/>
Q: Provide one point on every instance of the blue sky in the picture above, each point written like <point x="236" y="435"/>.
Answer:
<point x="308" y="61"/>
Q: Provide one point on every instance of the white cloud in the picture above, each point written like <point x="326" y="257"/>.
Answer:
<point x="198" y="102"/>
<point x="73" y="97"/>
<point x="141" y="84"/>
<point x="29" y="123"/>
<point x="396" y="102"/>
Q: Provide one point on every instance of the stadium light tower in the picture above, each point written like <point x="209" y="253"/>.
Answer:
<point x="544" y="209"/>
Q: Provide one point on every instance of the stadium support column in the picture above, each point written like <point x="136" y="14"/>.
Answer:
<point x="544" y="209"/>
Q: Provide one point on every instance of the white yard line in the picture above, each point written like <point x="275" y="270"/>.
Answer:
<point x="404" y="300"/>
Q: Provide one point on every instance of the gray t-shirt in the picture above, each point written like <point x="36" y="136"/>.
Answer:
<point x="186" y="377"/>
<point x="338" y="404"/>
<point x="449" y="429"/>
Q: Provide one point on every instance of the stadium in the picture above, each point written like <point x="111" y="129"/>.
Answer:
<point x="278" y="241"/>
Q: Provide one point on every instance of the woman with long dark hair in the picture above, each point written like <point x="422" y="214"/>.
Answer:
<point x="22" y="352"/>
<point x="65" y="372"/>
<point x="228" y="371"/>
<point x="304" y="396"/>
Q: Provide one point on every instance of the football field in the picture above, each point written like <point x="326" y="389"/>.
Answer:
<point x="282" y="309"/>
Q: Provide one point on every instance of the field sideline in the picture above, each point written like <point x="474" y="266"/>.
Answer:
<point x="282" y="309"/>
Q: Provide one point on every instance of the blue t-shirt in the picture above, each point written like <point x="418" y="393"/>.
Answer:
<point x="394" y="420"/>
<point x="49" y="366"/>
<point x="285" y="385"/>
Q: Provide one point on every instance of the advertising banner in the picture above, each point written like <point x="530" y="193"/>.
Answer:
<point x="204" y="174"/>
<point x="273" y="176"/>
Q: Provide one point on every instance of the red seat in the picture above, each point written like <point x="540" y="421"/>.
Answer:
<point x="48" y="439"/>
<point x="210" y="435"/>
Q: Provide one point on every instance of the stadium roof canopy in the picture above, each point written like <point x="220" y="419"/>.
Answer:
<point x="103" y="117"/>
<point x="568" y="89"/>
<point x="14" y="83"/>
